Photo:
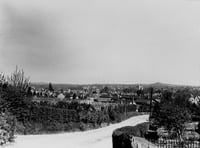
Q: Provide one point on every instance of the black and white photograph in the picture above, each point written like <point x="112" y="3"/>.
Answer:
<point x="100" y="73"/>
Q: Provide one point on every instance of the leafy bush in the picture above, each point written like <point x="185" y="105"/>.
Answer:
<point x="114" y="116"/>
<point x="7" y="128"/>
<point x="139" y="130"/>
<point x="54" y="127"/>
<point x="19" y="128"/>
<point x="122" y="136"/>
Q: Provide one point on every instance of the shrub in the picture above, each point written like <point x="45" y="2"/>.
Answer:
<point x="114" y="116"/>
<point x="54" y="127"/>
<point x="139" y="130"/>
<point x="122" y="137"/>
<point x="82" y="126"/>
<point x="19" y="128"/>
<point x="7" y="124"/>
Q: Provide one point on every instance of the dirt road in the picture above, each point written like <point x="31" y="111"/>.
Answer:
<point x="98" y="138"/>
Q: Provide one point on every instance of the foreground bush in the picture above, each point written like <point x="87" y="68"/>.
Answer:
<point x="139" y="130"/>
<point x="122" y="137"/>
<point x="7" y="128"/>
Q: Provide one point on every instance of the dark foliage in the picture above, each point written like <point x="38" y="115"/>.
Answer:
<point x="172" y="112"/>
<point x="122" y="137"/>
<point x="13" y="103"/>
<point x="44" y="117"/>
<point x="51" y="87"/>
<point x="139" y="130"/>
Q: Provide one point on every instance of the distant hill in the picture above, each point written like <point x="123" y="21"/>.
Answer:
<point x="156" y="85"/>
<point x="55" y="85"/>
<point x="165" y="85"/>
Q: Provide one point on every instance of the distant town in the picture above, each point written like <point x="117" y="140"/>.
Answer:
<point x="101" y="95"/>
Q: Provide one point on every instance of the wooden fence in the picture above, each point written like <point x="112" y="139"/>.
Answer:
<point x="171" y="143"/>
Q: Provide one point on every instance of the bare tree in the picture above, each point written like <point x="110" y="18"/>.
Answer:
<point x="18" y="80"/>
<point x="2" y="78"/>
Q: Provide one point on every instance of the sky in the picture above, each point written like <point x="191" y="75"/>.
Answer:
<point x="102" y="41"/>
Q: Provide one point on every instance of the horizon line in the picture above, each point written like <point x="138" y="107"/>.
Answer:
<point x="162" y="83"/>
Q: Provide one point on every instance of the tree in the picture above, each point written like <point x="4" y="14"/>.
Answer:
<point x="105" y="90"/>
<point x="172" y="117"/>
<point x="181" y="98"/>
<point x="18" y="80"/>
<point x="14" y="104"/>
<point x="2" y="79"/>
<point x="140" y="92"/>
<point x="29" y="93"/>
<point x="50" y="87"/>
<point x="166" y="96"/>
<point x="14" y="95"/>
<point x="74" y="96"/>
<point x="172" y="112"/>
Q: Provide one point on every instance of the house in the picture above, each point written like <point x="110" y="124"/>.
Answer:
<point x="35" y="99"/>
<point x="104" y="100"/>
<point x="87" y="101"/>
<point x="189" y="132"/>
<point x="100" y="105"/>
<point x="61" y="96"/>
<point x="194" y="100"/>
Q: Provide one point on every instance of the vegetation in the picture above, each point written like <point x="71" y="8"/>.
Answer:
<point x="172" y="113"/>
<point x="19" y="114"/>
<point x="44" y="117"/>
<point x="51" y="87"/>
<point x="7" y="128"/>
<point x="122" y="137"/>
<point x="18" y="80"/>
<point x="13" y="103"/>
<point x="139" y="130"/>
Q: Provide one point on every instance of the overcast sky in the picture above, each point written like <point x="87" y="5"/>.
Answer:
<point x="102" y="41"/>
